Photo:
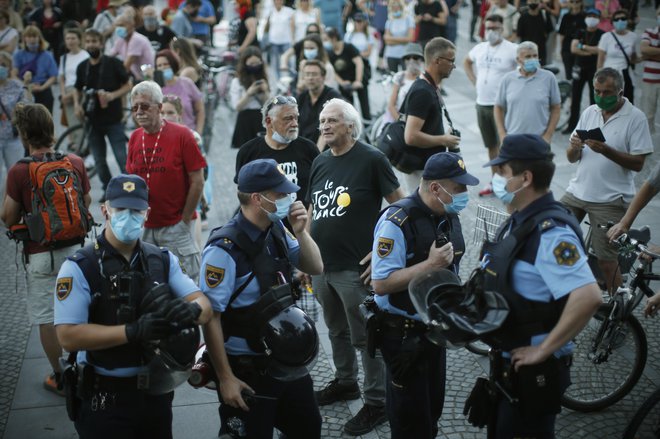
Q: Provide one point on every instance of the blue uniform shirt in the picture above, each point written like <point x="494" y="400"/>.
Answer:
<point x="225" y="269"/>
<point x="73" y="308"/>
<point x="551" y="265"/>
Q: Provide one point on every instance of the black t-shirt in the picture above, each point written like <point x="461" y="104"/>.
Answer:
<point x="295" y="160"/>
<point x="590" y="62"/>
<point x="343" y="63"/>
<point x="428" y="29"/>
<point x="534" y="28"/>
<point x="346" y="193"/>
<point x="243" y="31"/>
<point x="308" y="121"/>
<point x="113" y="76"/>
<point x="159" y="38"/>
<point x="569" y="25"/>
<point x="422" y="101"/>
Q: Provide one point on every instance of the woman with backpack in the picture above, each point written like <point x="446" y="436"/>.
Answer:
<point x="36" y="66"/>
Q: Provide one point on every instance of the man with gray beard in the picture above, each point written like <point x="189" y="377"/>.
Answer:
<point x="282" y="144"/>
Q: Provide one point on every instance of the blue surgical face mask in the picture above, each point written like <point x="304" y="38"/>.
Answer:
<point x="311" y="53"/>
<point x="280" y="138"/>
<point x="397" y="14"/>
<point x="499" y="188"/>
<point x="620" y="24"/>
<point x="282" y="205"/>
<point x="531" y="65"/>
<point x="327" y="45"/>
<point x="32" y="47"/>
<point x="127" y="225"/>
<point x="121" y="31"/>
<point x="458" y="201"/>
<point x="168" y="74"/>
<point x="4" y="73"/>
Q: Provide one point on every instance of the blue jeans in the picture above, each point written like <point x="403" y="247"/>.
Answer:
<point x="117" y="137"/>
<point x="451" y="27"/>
<point x="276" y="50"/>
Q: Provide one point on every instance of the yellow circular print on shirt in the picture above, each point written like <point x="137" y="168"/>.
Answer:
<point x="343" y="199"/>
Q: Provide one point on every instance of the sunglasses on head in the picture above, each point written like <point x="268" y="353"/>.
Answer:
<point x="280" y="100"/>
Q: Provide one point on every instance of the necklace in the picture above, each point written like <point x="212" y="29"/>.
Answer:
<point x="153" y="151"/>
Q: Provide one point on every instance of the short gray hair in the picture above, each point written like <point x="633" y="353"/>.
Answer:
<point x="274" y="108"/>
<point x="350" y="114"/>
<point x="608" y="72"/>
<point x="438" y="46"/>
<point x="148" y="88"/>
<point x="527" y="45"/>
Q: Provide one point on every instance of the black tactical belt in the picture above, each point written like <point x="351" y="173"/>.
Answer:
<point x="114" y="384"/>
<point x="396" y="325"/>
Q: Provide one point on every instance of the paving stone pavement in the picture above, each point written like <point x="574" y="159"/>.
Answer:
<point x="26" y="411"/>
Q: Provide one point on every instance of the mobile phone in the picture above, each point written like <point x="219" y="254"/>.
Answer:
<point x="594" y="134"/>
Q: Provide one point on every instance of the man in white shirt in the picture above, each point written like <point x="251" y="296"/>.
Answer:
<point x="603" y="185"/>
<point x="485" y="66"/>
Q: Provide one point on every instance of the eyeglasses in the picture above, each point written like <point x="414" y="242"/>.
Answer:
<point x="494" y="28"/>
<point x="142" y="106"/>
<point x="280" y="100"/>
<point x="452" y="61"/>
<point x="414" y="58"/>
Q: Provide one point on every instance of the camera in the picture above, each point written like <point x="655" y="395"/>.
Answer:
<point x="455" y="132"/>
<point x="441" y="239"/>
<point x="90" y="101"/>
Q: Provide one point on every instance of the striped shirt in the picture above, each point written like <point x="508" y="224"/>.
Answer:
<point x="652" y="67"/>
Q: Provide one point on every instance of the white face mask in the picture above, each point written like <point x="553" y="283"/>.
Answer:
<point x="591" y="21"/>
<point x="493" y="37"/>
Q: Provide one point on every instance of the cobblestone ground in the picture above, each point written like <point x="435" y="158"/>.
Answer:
<point x="14" y="328"/>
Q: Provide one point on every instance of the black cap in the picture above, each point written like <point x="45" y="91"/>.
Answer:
<point x="359" y="16"/>
<point x="264" y="175"/>
<point x="522" y="147"/>
<point x="448" y="165"/>
<point x="128" y="191"/>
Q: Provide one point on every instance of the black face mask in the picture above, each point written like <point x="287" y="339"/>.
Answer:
<point x="94" y="53"/>
<point x="533" y="6"/>
<point x="254" y="69"/>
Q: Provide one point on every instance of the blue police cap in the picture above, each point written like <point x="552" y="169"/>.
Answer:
<point x="264" y="175"/>
<point x="448" y="165"/>
<point x="592" y="11"/>
<point x="522" y="147"/>
<point x="128" y="191"/>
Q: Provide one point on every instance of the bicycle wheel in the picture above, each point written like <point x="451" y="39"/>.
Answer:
<point x="608" y="359"/>
<point x="646" y="422"/>
<point x="80" y="147"/>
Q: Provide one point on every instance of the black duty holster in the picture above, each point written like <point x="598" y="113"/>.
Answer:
<point x="70" y="383"/>
<point x="370" y="312"/>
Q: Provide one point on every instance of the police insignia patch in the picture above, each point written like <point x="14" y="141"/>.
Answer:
<point x="385" y="246"/>
<point x="214" y="276"/>
<point x="63" y="287"/>
<point x="566" y="253"/>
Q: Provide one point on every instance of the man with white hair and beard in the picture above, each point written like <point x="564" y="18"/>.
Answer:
<point x="281" y="143"/>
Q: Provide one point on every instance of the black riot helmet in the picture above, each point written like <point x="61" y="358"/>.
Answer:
<point x="290" y="337"/>
<point x="457" y="314"/>
<point x="170" y="360"/>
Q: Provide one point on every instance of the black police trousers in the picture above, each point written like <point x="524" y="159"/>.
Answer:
<point x="293" y="409"/>
<point x="512" y="424"/>
<point x="127" y="414"/>
<point x="414" y="401"/>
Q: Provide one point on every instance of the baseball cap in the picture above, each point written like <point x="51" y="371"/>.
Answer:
<point x="448" y="165"/>
<point x="127" y="191"/>
<point x="522" y="147"/>
<point x="592" y="11"/>
<point x="264" y="175"/>
<point x="359" y="16"/>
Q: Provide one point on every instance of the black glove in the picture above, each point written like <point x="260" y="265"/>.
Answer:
<point x="148" y="327"/>
<point x="155" y="299"/>
<point x="480" y="405"/>
<point x="181" y="313"/>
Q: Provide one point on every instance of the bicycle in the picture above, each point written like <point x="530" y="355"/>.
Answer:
<point x="565" y="90"/>
<point x="610" y="353"/>
<point x="81" y="133"/>
<point x="646" y="422"/>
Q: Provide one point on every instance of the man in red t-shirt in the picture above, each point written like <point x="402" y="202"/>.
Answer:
<point x="166" y="155"/>
<point x="36" y="131"/>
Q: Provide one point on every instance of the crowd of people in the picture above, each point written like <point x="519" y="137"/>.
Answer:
<point x="128" y="305"/>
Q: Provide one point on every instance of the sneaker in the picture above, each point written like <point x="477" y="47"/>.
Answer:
<point x="366" y="420"/>
<point x="486" y="191"/>
<point x="334" y="392"/>
<point x="53" y="384"/>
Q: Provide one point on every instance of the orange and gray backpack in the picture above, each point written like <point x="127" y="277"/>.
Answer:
<point x="59" y="217"/>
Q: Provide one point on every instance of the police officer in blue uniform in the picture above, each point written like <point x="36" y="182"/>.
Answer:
<point x="418" y="233"/>
<point x="107" y="309"/>
<point x="246" y="265"/>
<point x="538" y="264"/>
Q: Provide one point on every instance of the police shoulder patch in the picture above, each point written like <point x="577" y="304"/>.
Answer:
<point x="63" y="287"/>
<point x="566" y="253"/>
<point x="213" y="276"/>
<point x="385" y="246"/>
